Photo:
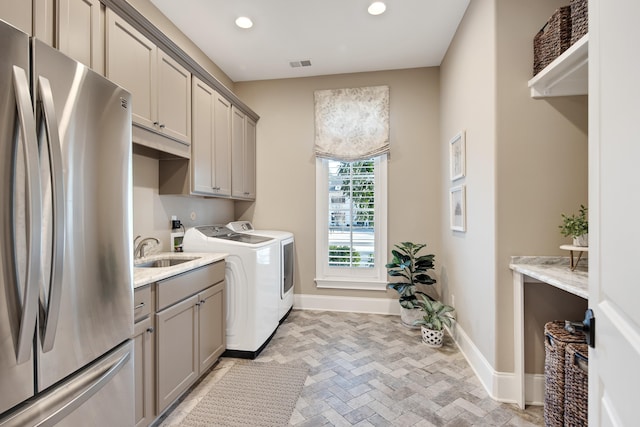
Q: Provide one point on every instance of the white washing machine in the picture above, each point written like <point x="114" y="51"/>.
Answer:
<point x="252" y="278"/>
<point x="286" y="260"/>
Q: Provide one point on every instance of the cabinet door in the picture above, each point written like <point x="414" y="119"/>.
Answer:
<point x="131" y="63"/>
<point x="80" y="35"/>
<point x="18" y="13"/>
<point x="222" y="146"/>
<point x="174" y="99"/>
<point x="143" y="367"/>
<point x="202" y="154"/>
<point x="250" y="159"/>
<point x="211" y="323"/>
<point x="176" y="350"/>
<point x="237" y="153"/>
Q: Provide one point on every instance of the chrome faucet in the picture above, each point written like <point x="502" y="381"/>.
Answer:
<point x="138" y="252"/>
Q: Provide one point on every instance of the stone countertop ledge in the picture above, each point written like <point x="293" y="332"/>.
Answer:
<point x="144" y="276"/>
<point x="556" y="271"/>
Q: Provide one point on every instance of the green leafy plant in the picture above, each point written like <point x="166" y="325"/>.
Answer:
<point x="412" y="269"/>
<point x="575" y="225"/>
<point x="436" y="314"/>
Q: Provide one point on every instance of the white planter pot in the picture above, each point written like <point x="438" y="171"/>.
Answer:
<point x="432" y="338"/>
<point x="408" y="316"/>
<point x="581" y="240"/>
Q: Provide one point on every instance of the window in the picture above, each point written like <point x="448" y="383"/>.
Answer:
<point x="351" y="223"/>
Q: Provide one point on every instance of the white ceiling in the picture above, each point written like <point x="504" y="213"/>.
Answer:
<point x="337" y="36"/>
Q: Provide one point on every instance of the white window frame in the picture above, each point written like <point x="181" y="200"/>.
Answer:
<point x="351" y="278"/>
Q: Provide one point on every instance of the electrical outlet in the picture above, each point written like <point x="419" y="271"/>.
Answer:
<point x="193" y="216"/>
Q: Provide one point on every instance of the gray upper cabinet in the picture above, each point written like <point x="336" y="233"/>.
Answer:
<point x="211" y="142"/>
<point x="243" y="180"/>
<point x="131" y="63"/>
<point x="80" y="34"/>
<point x="18" y="13"/>
<point x="161" y="87"/>
<point x="75" y="27"/>
<point x="174" y="99"/>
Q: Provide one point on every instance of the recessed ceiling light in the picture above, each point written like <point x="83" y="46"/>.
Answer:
<point x="244" y="22"/>
<point x="377" y="8"/>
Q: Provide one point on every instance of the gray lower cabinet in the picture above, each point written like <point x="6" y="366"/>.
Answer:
<point x="177" y="350"/>
<point x="211" y="331"/>
<point x="144" y="356"/>
<point x="144" y="362"/>
<point x="190" y="330"/>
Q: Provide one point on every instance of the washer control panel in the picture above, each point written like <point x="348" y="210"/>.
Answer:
<point x="240" y="226"/>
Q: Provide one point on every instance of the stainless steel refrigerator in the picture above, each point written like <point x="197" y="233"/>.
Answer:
<point x="66" y="297"/>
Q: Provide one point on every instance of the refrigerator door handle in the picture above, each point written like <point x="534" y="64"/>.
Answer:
<point x="34" y="215"/>
<point x="49" y="322"/>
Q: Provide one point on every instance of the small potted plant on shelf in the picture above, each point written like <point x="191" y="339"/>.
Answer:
<point x="411" y="268"/>
<point x="436" y="316"/>
<point x="576" y="226"/>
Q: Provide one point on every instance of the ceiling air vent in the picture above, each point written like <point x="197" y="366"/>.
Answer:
<point x="303" y="63"/>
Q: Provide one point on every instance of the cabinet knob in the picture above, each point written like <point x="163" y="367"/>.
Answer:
<point x="202" y="302"/>
<point x="162" y="126"/>
<point x="198" y="304"/>
<point x="150" y="330"/>
<point x="156" y="123"/>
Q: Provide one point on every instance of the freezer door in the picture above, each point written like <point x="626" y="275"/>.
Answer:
<point x="84" y="132"/>
<point x="100" y="395"/>
<point x="16" y="379"/>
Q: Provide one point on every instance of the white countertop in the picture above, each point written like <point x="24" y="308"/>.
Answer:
<point x="144" y="276"/>
<point x="554" y="271"/>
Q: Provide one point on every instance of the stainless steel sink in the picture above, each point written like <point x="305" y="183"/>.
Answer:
<point x="164" y="262"/>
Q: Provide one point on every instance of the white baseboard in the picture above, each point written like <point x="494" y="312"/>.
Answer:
<point x="500" y="385"/>
<point x="352" y="304"/>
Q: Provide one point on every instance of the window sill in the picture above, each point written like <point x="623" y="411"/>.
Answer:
<point x="361" y="285"/>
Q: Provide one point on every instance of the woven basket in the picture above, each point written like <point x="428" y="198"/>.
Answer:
<point x="555" y="343"/>
<point x="576" y="383"/>
<point x="579" y="19"/>
<point x="553" y="39"/>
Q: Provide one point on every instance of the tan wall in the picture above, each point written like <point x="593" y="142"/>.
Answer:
<point x="157" y="18"/>
<point x="152" y="212"/>
<point x="526" y="163"/>
<point x="542" y="171"/>
<point x="286" y="165"/>
<point x="468" y="86"/>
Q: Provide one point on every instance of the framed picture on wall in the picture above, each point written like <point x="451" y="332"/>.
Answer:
<point x="457" y="147"/>
<point x="458" y="208"/>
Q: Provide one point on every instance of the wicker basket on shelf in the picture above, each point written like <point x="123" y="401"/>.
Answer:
<point x="576" y="383"/>
<point x="556" y="340"/>
<point x="579" y="19"/>
<point x="553" y="39"/>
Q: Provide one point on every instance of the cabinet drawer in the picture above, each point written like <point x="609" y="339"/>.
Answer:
<point x="179" y="287"/>
<point x="141" y="303"/>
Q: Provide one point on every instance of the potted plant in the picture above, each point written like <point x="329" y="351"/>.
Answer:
<point x="576" y="226"/>
<point x="411" y="268"/>
<point x="435" y="316"/>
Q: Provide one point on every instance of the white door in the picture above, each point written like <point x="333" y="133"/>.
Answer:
<point x="614" y="202"/>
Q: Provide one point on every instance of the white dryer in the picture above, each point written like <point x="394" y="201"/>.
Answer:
<point x="286" y="260"/>
<point x="252" y="279"/>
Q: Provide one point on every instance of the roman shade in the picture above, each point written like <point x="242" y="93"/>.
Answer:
<point x="352" y="124"/>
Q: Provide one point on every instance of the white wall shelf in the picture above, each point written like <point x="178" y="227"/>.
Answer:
<point x="567" y="75"/>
